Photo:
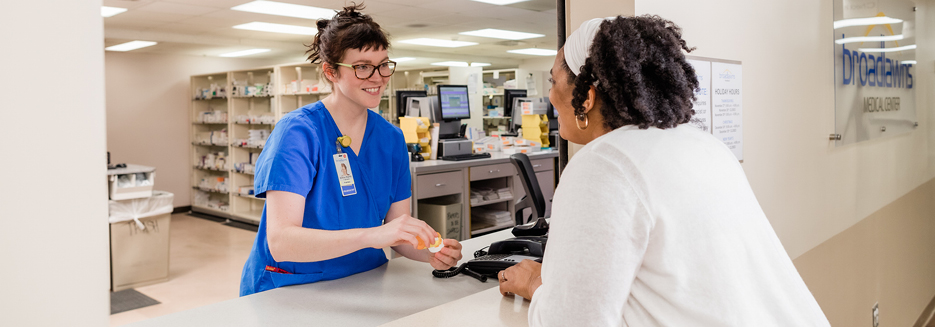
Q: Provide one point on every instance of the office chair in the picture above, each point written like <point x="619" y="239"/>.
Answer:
<point x="533" y="198"/>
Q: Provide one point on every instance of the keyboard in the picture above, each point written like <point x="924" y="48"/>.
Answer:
<point x="471" y="156"/>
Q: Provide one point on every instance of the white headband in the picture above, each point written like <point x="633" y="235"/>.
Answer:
<point x="579" y="42"/>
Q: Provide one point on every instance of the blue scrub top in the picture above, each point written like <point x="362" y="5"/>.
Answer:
<point x="299" y="158"/>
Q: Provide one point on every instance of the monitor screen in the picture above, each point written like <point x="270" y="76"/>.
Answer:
<point x="453" y="100"/>
<point x="402" y="100"/>
<point x="508" y="96"/>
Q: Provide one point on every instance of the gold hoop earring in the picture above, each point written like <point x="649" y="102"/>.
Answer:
<point x="580" y="117"/>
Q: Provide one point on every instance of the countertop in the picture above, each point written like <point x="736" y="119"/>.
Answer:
<point x="399" y="289"/>
<point x="495" y="158"/>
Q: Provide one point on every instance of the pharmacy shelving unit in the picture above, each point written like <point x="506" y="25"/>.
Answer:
<point x="209" y="94"/>
<point x="252" y="109"/>
<point x="298" y="85"/>
<point x="288" y="87"/>
<point x="524" y="80"/>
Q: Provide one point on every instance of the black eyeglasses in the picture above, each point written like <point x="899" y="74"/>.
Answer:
<point x="365" y="71"/>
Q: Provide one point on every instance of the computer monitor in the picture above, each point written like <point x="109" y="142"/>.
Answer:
<point x="553" y="116"/>
<point x="402" y="100"/>
<point x="508" y="96"/>
<point x="453" y="100"/>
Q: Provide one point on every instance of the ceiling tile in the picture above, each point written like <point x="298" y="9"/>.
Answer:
<point x="129" y="4"/>
<point x="219" y="4"/>
<point x="444" y="20"/>
<point x="182" y="28"/>
<point x="408" y="2"/>
<point x="460" y="6"/>
<point x="177" y="8"/>
<point x="132" y="24"/>
<point x="148" y="16"/>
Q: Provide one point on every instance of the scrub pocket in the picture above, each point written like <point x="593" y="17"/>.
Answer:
<point x="280" y="280"/>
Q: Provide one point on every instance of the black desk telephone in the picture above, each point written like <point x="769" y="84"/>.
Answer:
<point x="529" y="244"/>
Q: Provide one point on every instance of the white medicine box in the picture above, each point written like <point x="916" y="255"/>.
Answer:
<point x="131" y="183"/>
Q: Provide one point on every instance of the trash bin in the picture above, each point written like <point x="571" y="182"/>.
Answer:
<point x="139" y="240"/>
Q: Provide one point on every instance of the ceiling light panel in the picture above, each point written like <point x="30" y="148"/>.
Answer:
<point x="535" y="52"/>
<point x="438" y="43"/>
<point x="277" y="28"/>
<point x="132" y="45"/>
<point x="502" y="34"/>
<point x="451" y="63"/>
<point x="110" y="11"/>
<point x="286" y="9"/>
<point x="869" y="39"/>
<point x="402" y="59"/>
<point x="244" y="53"/>
<point x="460" y="64"/>
<point x="866" y="21"/>
<point x="501" y="2"/>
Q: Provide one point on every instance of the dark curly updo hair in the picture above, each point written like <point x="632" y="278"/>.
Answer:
<point x="348" y="29"/>
<point x="640" y="72"/>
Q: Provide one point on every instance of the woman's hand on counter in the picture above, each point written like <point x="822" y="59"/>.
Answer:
<point x="401" y="230"/>
<point x="522" y="279"/>
<point x="448" y="256"/>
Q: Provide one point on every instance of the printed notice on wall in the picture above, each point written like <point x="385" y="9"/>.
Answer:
<point x="702" y="103"/>
<point x="727" y="105"/>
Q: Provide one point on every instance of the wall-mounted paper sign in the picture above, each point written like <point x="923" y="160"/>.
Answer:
<point x="702" y="104"/>
<point x="727" y="105"/>
<point x="719" y="100"/>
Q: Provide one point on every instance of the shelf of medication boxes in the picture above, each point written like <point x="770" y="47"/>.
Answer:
<point x="247" y="192"/>
<point x="213" y="184"/>
<point x="203" y="200"/>
<point x="216" y="161"/>
<point x="214" y="92"/>
<point x="256" y="140"/>
<point x="132" y="182"/>
<point x="255" y="120"/>
<point x="505" y="144"/>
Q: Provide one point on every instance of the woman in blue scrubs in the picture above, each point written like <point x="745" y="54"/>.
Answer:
<point x="335" y="175"/>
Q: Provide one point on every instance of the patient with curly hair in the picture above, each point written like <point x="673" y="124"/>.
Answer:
<point x="654" y="222"/>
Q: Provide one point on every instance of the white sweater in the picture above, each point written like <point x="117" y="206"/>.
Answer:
<point x="660" y="228"/>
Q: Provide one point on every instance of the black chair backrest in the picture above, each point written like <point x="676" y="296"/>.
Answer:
<point x="524" y="167"/>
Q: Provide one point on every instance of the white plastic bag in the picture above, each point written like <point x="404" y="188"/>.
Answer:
<point x="134" y="209"/>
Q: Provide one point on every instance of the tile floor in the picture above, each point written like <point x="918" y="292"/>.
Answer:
<point x="205" y="261"/>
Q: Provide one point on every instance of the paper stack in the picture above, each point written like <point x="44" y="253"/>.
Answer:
<point x="490" y="217"/>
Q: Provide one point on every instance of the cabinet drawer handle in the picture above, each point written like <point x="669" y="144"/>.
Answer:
<point x="536" y="166"/>
<point x="492" y="171"/>
<point x="439" y="184"/>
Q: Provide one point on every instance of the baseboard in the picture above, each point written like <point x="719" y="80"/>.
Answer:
<point x="183" y="209"/>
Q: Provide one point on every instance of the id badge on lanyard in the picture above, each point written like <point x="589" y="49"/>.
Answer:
<point x="345" y="176"/>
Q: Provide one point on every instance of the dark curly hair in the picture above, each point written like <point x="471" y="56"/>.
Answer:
<point x="640" y="72"/>
<point x="348" y="29"/>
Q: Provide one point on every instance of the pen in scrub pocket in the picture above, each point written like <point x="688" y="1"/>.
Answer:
<point x="277" y="270"/>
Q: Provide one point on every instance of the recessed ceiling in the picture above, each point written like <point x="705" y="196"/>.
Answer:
<point x="205" y="28"/>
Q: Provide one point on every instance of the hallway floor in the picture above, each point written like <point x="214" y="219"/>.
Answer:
<point x="205" y="262"/>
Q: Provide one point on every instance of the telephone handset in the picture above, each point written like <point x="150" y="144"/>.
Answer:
<point x="499" y="256"/>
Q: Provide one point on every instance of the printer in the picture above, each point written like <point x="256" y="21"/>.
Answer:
<point x="454" y="147"/>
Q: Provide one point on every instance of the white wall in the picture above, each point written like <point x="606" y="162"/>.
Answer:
<point x="53" y="199"/>
<point x="148" y="99"/>
<point x="809" y="189"/>
<point x="459" y="75"/>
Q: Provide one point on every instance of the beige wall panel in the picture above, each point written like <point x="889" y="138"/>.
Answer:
<point x="885" y="258"/>
<point x="53" y="199"/>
